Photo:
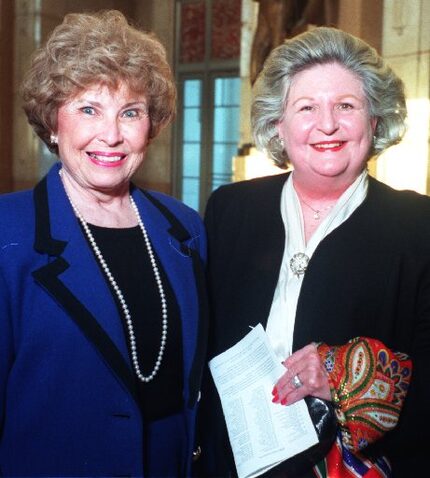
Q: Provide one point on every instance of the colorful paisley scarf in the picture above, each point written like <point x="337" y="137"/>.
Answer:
<point x="368" y="384"/>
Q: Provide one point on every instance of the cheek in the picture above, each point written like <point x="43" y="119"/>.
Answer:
<point x="298" y="132"/>
<point x="64" y="123"/>
<point x="361" y="129"/>
<point x="138" y="144"/>
<point x="71" y="131"/>
<point x="138" y="138"/>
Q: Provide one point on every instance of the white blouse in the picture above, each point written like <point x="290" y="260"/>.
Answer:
<point x="280" y="324"/>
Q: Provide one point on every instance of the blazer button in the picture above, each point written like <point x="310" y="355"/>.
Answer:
<point x="199" y="396"/>
<point x="196" y="453"/>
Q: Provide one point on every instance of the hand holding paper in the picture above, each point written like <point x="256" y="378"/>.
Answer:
<point x="304" y="375"/>
<point x="262" y="434"/>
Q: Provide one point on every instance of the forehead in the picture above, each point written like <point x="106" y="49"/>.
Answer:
<point x="328" y="78"/>
<point x="106" y="93"/>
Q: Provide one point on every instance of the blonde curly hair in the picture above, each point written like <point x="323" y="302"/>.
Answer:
<point x="97" y="48"/>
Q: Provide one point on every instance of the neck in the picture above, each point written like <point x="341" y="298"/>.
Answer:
<point x="99" y="207"/>
<point x="316" y="203"/>
<point x="320" y="190"/>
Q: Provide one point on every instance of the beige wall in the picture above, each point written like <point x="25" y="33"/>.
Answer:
<point x="406" y="47"/>
<point x="363" y="18"/>
<point x="400" y="30"/>
<point x="156" y="173"/>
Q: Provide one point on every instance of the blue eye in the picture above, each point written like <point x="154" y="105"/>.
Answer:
<point x="131" y="114"/>
<point x="88" y="110"/>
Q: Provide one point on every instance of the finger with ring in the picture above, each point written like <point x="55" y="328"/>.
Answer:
<point x="297" y="383"/>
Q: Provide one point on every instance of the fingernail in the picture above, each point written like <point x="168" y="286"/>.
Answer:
<point x="284" y="401"/>
<point x="275" y="391"/>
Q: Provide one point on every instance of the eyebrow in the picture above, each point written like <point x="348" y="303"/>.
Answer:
<point x="303" y="98"/>
<point x="340" y="98"/>
<point x="98" y="104"/>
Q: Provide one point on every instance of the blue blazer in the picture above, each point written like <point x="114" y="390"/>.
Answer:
<point x="68" y="403"/>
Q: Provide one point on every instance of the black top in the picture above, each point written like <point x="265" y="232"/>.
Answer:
<point x="126" y="255"/>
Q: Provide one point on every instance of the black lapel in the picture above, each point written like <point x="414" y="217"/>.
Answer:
<point x="47" y="277"/>
<point x="309" y="325"/>
<point x="178" y="231"/>
<point x="43" y="241"/>
<point x="246" y="241"/>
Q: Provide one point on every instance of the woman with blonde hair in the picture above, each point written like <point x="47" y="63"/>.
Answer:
<point x="102" y="306"/>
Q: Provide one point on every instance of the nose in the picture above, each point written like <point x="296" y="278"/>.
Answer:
<point x="110" y="131"/>
<point x="327" y="121"/>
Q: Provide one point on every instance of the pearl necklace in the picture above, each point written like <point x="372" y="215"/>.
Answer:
<point x="119" y="294"/>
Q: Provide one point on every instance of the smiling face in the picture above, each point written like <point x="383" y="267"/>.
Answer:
<point x="102" y="138"/>
<point x="326" y="127"/>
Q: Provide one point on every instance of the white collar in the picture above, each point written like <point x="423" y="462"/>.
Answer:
<point x="293" y="217"/>
<point x="282" y="316"/>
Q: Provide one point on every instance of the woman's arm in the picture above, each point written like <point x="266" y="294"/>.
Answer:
<point x="366" y="381"/>
<point x="368" y="384"/>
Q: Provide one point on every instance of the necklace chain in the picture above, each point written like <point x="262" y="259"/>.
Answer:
<point x="316" y="212"/>
<point x="120" y="296"/>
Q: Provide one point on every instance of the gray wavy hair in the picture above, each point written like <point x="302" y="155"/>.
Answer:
<point x="383" y="89"/>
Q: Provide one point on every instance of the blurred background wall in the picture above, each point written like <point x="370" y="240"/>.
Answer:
<point x="211" y="47"/>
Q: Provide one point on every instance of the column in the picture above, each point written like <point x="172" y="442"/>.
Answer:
<point x="156" y="172"/>
<point x="406" y="47"/>
<point x="6" y="89"/>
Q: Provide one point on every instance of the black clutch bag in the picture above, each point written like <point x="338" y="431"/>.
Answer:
<point x="325" y="423"/>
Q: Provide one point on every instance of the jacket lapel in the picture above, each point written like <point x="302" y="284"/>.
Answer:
<point x="308" y="324"/>
<point x="246" y="241"/>
<point x="72" y="277"/>
<point x="184" y="268"/>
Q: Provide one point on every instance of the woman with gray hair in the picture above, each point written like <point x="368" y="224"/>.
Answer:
<point x="334" y="264"/>
<point x="102" y="299"/>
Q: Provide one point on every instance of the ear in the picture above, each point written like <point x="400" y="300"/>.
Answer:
<point x="373" y="123"/>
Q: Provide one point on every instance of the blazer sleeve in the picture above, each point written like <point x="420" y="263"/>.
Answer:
<point x="368" y="384"/>
<point x="6" y="344"/>
<point x="413" y="429"/>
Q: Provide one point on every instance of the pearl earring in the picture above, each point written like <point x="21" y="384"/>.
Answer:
<point x="54" y="139"/>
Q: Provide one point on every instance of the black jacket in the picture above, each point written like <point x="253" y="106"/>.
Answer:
<point x="369" y="277"/>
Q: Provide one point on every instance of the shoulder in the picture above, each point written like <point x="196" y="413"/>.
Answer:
<point x="16" y="199"/>
<point x="252" y="186"/>
<point x="261" y="192"/>
<point x="401" y="203"/>
<point x="179" y="215"/>
<point x="405" y="214"/>
<point x="388" y="191"/>
<point x="176" y="207"/>
<point x="17" y="225"/>
<point x="16" y="208"/>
